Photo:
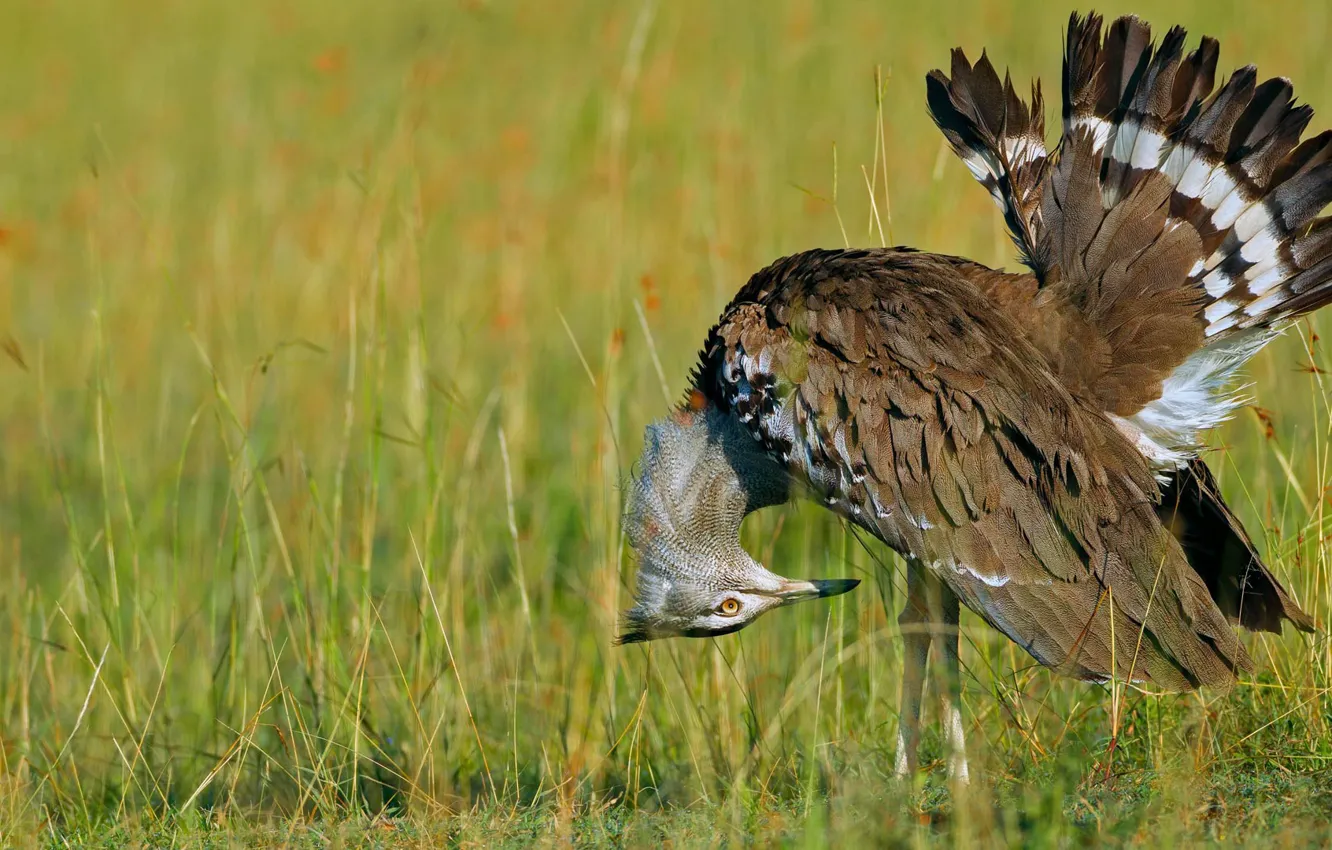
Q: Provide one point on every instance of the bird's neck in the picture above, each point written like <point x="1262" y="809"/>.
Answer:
<point x="700" y="474"/>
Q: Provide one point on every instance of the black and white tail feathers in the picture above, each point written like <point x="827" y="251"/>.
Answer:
<point x="1239" y="173"/>
<point x="1000" y="139"/>
<point x="1182" y="218"/>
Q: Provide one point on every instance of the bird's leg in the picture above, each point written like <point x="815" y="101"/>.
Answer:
<point x="915" y="624"/>
<point x="950" y="640"/>
<point x="930" y="608"/>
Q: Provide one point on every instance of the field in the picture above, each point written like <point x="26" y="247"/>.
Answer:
<point x="328" y="333"/>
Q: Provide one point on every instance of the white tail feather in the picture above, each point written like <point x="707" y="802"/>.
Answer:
<point x="1195" y="398"/>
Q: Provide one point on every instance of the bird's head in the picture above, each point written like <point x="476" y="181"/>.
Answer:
<point x="699" y="475"/>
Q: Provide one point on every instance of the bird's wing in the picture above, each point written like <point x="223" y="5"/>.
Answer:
<point x="1179" y="223"/>
<point x="889" y="384"/>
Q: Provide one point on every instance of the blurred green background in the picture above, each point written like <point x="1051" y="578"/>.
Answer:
<point x="329" y="334"/>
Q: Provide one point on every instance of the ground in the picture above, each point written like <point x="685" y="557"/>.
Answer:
<point x="328" y="333"/>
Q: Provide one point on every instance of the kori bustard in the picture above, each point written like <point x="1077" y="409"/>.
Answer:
<point x="1030" y="441"/>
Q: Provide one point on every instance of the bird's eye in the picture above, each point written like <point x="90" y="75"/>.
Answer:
<point x="729" y="607"/>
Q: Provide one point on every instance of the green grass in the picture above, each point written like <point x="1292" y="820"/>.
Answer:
<point x="330" y="335"/>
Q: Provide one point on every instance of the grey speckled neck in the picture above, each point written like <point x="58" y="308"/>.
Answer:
<point x="700" y="474"/>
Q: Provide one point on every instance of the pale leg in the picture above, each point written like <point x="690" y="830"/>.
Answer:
<point x="930" y="608"/>
<point x="915" y="625"/>
<point x="950" y="640"/>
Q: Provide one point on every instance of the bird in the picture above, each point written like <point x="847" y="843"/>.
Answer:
<point x="1030" y="442"/>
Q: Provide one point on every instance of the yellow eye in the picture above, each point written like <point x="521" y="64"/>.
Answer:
<point x="729" y="608"/>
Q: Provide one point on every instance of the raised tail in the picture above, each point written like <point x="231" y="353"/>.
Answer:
<point x="1238" y="173"/>
<point x="1178" y="220"/>
<point x="1174" y="171"/>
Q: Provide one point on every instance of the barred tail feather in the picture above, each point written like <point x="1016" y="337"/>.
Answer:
<point x="1001" y="140"/>
<point x="1241" y="176"/>
<point x="1146" y="135"/>
<point x="1181" y="218"/>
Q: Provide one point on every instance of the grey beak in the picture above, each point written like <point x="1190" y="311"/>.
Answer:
<point x="799" y="591"/>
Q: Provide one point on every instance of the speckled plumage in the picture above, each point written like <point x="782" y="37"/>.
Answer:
<point x="895" y="390"/>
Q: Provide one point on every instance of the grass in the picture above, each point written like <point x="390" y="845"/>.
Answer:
<point x="330" y="333"/>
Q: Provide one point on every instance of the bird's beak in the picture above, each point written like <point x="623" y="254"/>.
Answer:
<point x="799" y="591"/>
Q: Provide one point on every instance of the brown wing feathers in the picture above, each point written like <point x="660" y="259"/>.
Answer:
<point x="914" y="409"/>
<point x="1123" y="268"/>
<point x="1008" y="432"/>
<point x="1180" y="224"/>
